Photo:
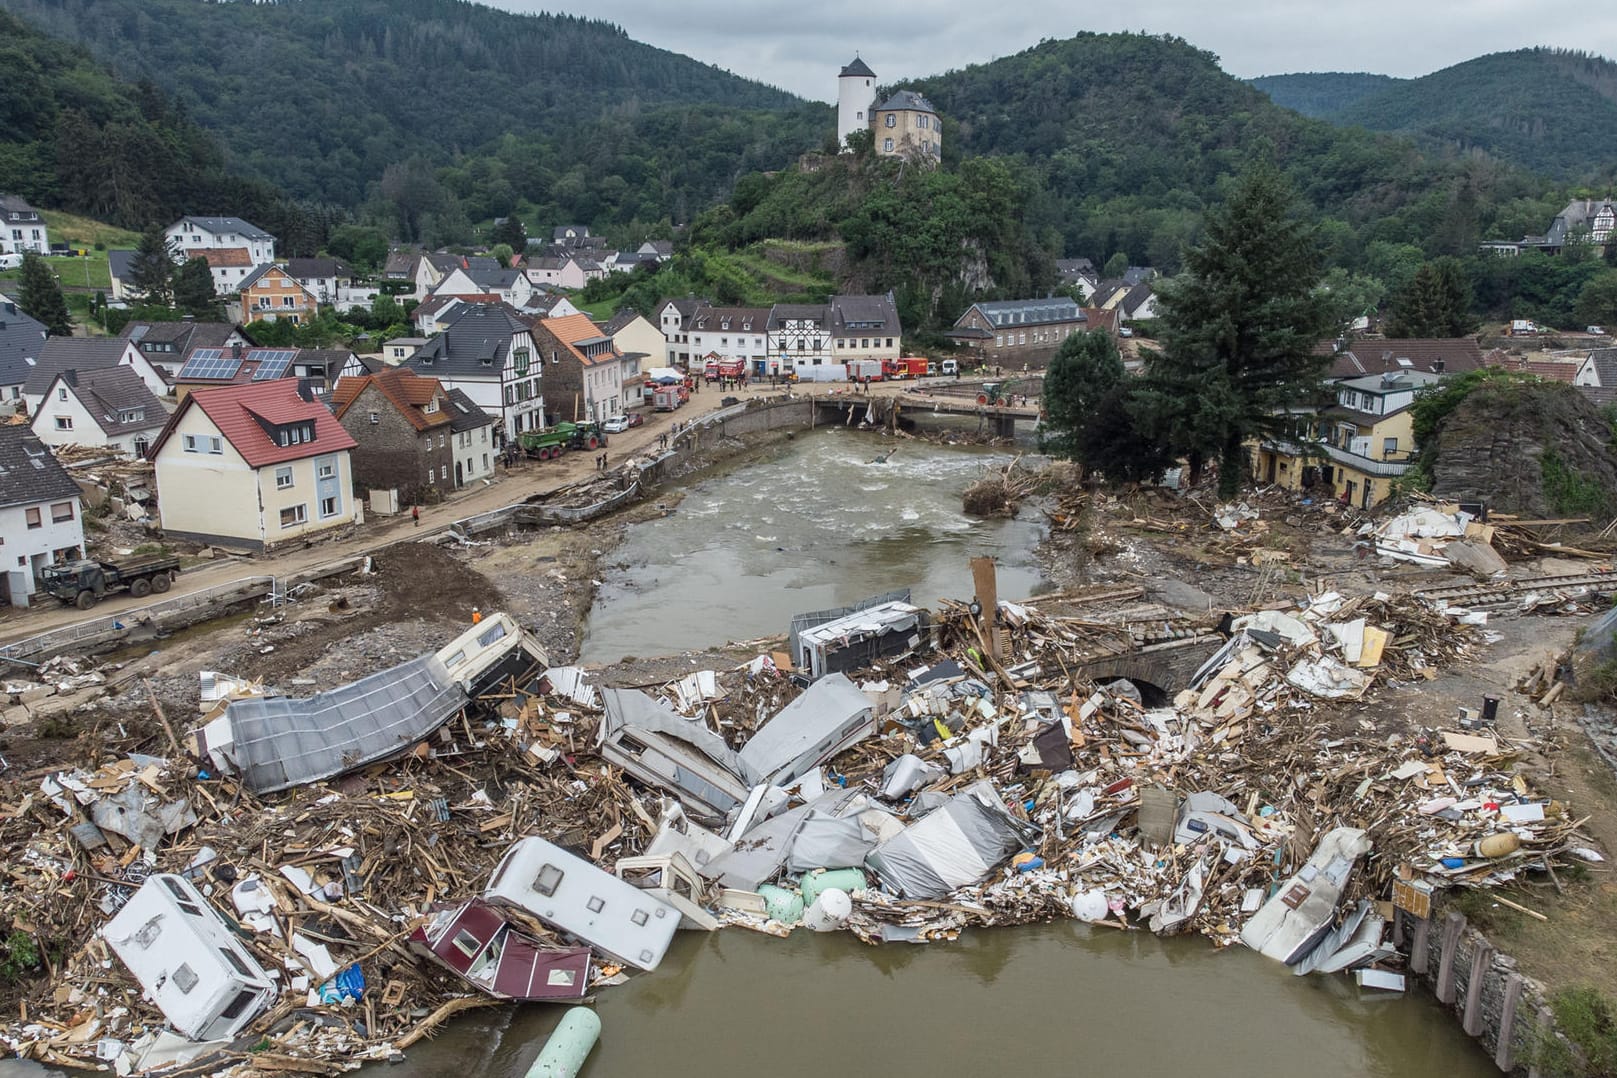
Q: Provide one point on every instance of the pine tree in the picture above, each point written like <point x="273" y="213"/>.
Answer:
<point x="40" y="296"/>
<point x="151" y="271"/>
<point x="511" y="233"/>
<point x="1084" y="369"/>
<point x="1435" y="303"/>
<point x="1239" y="328"/>
<point x="193" y="291"/>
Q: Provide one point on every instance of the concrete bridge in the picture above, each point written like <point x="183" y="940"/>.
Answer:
<point x="1166" y="667"/>
<point x="888" y="410"/>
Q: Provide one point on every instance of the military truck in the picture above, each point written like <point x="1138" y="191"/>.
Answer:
<point x="553" y="441"/>
<point x="85" y="582"/>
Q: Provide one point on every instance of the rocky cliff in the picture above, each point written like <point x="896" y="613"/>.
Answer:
<point x="1537" y="449"/>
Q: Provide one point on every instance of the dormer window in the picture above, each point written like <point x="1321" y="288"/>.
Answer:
<point x="432" y="406"/>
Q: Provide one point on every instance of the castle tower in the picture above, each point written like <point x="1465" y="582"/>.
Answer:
<point x="856" y="91"/>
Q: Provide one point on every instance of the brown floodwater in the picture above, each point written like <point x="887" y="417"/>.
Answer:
<point x="1061" y="999"/>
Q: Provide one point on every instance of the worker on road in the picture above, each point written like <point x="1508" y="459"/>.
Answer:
<point x="477" y="615"/>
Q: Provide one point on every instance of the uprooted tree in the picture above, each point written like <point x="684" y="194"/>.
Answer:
<point x="1238" y="329"/>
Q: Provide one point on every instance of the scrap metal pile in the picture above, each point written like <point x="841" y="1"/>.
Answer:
<point x="427" y="855"/>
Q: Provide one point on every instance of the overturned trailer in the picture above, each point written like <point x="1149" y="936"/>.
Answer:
<point x="663" y="749"/>
<point x="477" y="942"/>
<point x="275" y="743"/>
<point x="187" y="960"/>
<point x="852" y="638"/>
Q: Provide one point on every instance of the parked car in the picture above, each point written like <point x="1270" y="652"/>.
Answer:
<point x="637" y="419"/>
<point x="1597" y="331"/>
<point x="616" y="425"/>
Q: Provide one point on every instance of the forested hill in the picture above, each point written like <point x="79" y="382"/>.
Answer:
<point x="319" y="96"/>
<point x="1548" y="110"/>
<point x="1321" y="94"/>
<point x="74" y="137"/>
<point x="1131" y="136"/>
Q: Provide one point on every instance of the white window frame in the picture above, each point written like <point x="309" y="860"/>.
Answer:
<point x="283" y="478"/>
<point x="300" y="515"/>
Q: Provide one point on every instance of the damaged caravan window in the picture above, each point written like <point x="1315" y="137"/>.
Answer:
<point x="185" y="978"/>
<point x="548" y="880"/>
<point x="493" y="633"/>
<point x="238" y="1004"/>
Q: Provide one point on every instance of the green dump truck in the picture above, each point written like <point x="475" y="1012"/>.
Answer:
<point x="85" y="582"/>
<point x="556" y="440"/>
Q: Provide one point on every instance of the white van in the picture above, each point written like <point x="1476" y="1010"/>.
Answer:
<point x="950" y="367"/>
<point x="10" y="261"/>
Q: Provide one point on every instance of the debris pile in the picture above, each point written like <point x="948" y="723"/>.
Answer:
<point x="433" y="838"/>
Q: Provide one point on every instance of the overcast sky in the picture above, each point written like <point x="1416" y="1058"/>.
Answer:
<point x="801" y="44"/>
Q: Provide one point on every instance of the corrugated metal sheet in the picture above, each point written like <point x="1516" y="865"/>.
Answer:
<point x="283" y="742"/>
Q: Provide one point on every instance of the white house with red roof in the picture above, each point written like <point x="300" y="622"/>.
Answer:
<point x="254" y="466"/>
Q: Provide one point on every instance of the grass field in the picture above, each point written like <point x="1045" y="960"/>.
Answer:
<point x="89" y="271"/>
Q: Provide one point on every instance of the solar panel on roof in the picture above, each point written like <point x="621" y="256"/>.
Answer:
<point x="210" y="363"/>
<point x="272" y="363"/>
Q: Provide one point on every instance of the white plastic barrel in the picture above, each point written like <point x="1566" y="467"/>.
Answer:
<point x="829" y="912"/>
<point x="1090" y="905"/>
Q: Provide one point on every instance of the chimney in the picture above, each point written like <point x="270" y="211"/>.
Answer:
<point x="305" y="391"/>
<point x="235" y="350"/>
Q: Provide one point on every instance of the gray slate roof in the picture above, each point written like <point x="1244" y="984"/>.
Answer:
<point x="119" y="263"/>
<point x="112" y="391"/>
<point x="1029" y="312"/>
<point x="865" y="314"/>
<point x="857" y="69"/>
<point x="464" y="415"/>
<point x="219" y="225"/>
<point x="305" y="269"/>
<point x="72" y="354"/>
<point x="16" y="210"/>
<point x="21" y="340"/>
<point x="482" y="331"/>
<point x="493" y="280"/>
<point x="906" y="100"/>
<point x="1605" y="364"/>
<point x="184" y="336"/>
<point x="28" y="472"/>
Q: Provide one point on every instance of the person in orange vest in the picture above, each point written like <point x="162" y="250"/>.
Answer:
<point x="477" y="615"/>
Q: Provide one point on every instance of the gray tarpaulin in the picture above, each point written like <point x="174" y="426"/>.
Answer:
<point x="280" y="742"/>
<point x="829" y="717"/>
<point x="760" y="853"/>
<point x="824" y="841"/>
<point x="953" y="846"/>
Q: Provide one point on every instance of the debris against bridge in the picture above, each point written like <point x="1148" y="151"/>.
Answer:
<point x="1016" y="763"/>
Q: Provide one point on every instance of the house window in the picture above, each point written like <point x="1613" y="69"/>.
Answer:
<point x="432" y="406"/>
<point x="376" y="417"/>
<point x="443" y="472"/>
<point x="328" y="507"/>
<point x="1389" y="446"/>
<point x="64" y="422"/>
<point x="327" y="470"/>
<point x="890" y="120"/>
<point x="283" y="479"/>
<point x="887" y="145"/>
<point x="293" y="515"/>
<point x="34" y="520"/>
<point x="61" y="512"/>
<point x="203" y="443"/>
<point x="61" y="393"/>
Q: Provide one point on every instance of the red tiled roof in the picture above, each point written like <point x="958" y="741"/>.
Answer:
<point x="232" y="409"/>
<point x="221" y="256"/>
<point x="573" y="328"/>
<point x="1552" y="370"/>
<point x="406" y="390"/>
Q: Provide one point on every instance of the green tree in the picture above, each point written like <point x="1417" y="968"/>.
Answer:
<point x="1115" y="266"/>
<point x="193" y="291"/>
<point x="1436" y="303"/>
<point x="1350" y="296"/>
<point x="509" y="232"/>
<point x="1084" y="369"/>
<point x="151" y="271"/>
<point x="40" y="296"/>
<point x="1239" y="328"/>
<point x="502" y="253"/>
<point x="361" y="245"/>
<point x="1597" y="301"/>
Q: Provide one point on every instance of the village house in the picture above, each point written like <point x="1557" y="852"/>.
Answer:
<point x="189" y="236"/>
<point x="1078" y="273"/>
<point x="166" y="344"/>
<point x="1017" y="332"/>
<point x="271" y="294"/>
<point x="22" y="228"/>
<point x="358" y="366"/>
<point x="569" y="270"/>
<point x="799" y="338"/>
<point x="547" y="304"/>
<point x="324" y="278"/>
<point x="86" y="354"/>
<point x="1135" y="301"/>
<point x="209" y="368"/>
<point x="1598" y="370"/>
<point x="1354" y="451"/>
<point x="398" y="349"/>
<point x="41" y="520"/>
<point x="1385" y="355"/>
<point x="904" y="125"/>
<point x="673" y="315"/>
<point x="862" y="328"/>
<point x="1588" y="222"/>
<point x="400" y="423"/>
<point x="488" y="353"/>
<point x="641" y="346"/>
<point x="730" y="333"/>
<point x="583" y="371"/>
<point x="110" y="408"/>
<point x="471" y="437"/>
<point x="254" y="466"/>
<point x="490" y="284"/>
<point x="21" y="340"/>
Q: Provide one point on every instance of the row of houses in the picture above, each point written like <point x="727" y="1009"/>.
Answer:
<point x="813" y="341"/>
